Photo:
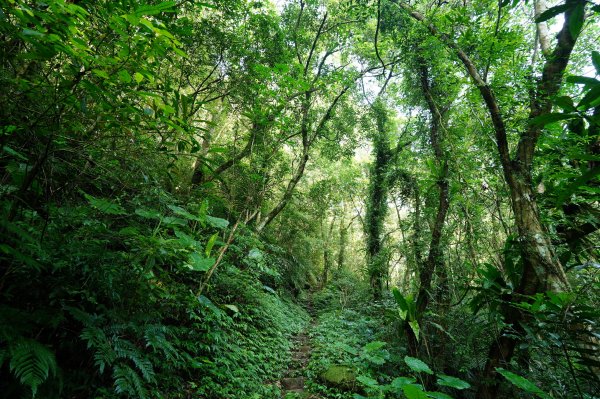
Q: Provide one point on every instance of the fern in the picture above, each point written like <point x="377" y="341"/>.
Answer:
<point x="128" y="382"/>
<point x="104" y="354"/>
<point x="156" y="338"/>
<point x="31" y="362"/>
<point x="127" y="350"/>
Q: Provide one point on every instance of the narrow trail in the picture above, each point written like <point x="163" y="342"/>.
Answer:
<point x="293" y="381"/>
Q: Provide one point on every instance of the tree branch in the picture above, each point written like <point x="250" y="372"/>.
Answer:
<point x="549" y="85"/>
<point x="485" y="90"/>
<point x="539" y="7"/>
<point x="314" y="44"/>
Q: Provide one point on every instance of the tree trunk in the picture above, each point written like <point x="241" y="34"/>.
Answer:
<point x="377" y="201"/>
<point x="327" y="255"/>
<point x="541" y="272"/>
<point x="289" y="191"/>
<point x="435" y="258"/>
<point x="342" y="247"/>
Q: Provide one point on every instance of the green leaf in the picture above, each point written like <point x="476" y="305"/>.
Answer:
<point x="523" y="383"/>
<point x="591" y="99"/>
<point x="174" y="221"/>
<point x="270" y="290"/>
<point x="210" y="244"/>
<point x="404" y="304"/>
<point x="105" y="206"/>
<point x="124" y="76"/>
<point x="14" y="153"/>
<point x="453" y="382"/>
<point x="100" y="73"/>
<point x="414" y="326"/>
<point x="182" y="212"/>
<point x="417" y="365"/>
<point x="148" y="213"/>
<point x="199" y="264"/>
<point x="31" y="32"/>
<point x="413" y="391"/>
<point x="165" y="6"/>
<point x="596" y="61"/>
<point x="217" y="222"/>
<point x="552" y="12"/>
<point x="399" y="382"/>
<point x="185" y="240"/>
<point x="373" y="346"/>
<point x="576" y="19"/>
<point x="129" y="231"/>
<point x="400" y="299"/>
<point x="547" y="119"/>
<point x="438" y="395"/>
<point x="347" y="348"/>
<point x="255" y="254"/>
<point x="368" y="381"/>
<point x="208" y="304"/>
<point x="233" y="308"/>
<point x="566" y="103"/>
<point x="583" y="80"/>
<point x="138" y="77"/>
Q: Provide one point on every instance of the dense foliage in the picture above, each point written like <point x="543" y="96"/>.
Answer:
<point x="180" y="180"/>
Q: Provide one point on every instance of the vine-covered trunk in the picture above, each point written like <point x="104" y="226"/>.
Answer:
<point x="375" y="217"/>
<point x="327" y="253"/>
<point x="343" y="242"/>
<point x="377" y="202"/>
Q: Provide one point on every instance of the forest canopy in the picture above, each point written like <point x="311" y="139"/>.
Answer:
<point x="299" y="199"/>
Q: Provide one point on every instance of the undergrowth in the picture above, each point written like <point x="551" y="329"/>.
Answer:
<point x="105" y="304"/>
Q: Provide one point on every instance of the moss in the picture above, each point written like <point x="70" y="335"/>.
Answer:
<point x="339" y="377"/>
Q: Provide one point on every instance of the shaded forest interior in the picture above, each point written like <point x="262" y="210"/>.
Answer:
<point x="300" y="199"/>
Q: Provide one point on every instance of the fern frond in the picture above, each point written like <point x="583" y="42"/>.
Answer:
<point x="83" y="317"/>
<point x="156" y="339"/>
<point x="128" y="382"/>
<point x="32" y="363"/>
<point x="127" y="350"/>
<point x="104" y="354"/>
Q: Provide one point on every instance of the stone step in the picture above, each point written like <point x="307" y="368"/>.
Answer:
<point x="292" y="383"/>
<point x="300" y="356"/>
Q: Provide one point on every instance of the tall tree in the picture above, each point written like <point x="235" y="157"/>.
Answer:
<point x="541" y="269"/>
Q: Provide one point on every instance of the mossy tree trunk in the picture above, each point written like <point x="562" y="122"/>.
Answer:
<point x="377" y="200"/>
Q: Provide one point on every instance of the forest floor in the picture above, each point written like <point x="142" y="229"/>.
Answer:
<point x="294" y="379"/>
